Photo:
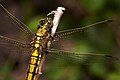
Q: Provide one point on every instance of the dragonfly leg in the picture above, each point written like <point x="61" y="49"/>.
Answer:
<point x="41" y="64"/>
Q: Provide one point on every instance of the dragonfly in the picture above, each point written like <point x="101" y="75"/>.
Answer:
<point x="42" y="40"/>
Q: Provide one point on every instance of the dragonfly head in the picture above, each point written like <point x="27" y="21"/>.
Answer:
<point x="45" y="26"/>
<point x="45" y="21"/>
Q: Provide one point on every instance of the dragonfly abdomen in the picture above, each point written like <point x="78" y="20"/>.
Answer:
<point x="34" y="61"/>
<point x="33" y="65"/>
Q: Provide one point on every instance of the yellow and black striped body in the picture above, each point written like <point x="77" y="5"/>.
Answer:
<point x="39" y="43"/>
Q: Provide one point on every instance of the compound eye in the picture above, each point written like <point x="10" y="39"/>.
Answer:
<point x="42" y="22"/>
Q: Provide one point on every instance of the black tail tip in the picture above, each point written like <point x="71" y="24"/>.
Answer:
<point x="116" y="58"/>
<point x="110" y="20"/>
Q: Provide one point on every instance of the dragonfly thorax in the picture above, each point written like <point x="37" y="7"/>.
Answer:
<point x="44" y="27"/>
<point x="43" y="34"/>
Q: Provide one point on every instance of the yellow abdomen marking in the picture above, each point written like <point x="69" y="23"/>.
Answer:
<point x="38" y="42"/>
<point x="38" y="38"/>
<point x="38" y="62"/>
<point x="29" y="76"/>
<point x="37" y="45"/>
<point x="31" y="68"/>
<point x="35" y="53"/>
<point x="33" y="60"/>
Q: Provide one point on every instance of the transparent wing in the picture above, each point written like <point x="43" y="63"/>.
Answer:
<point x="20" y="24"/>
<point x="83" y="57"/>
<point x="14" y="47"/>
<point x="13" y="50"/>
<point x="17" y="44"/>
<point x="65" y="33"/>
<point x="5" y="40"/>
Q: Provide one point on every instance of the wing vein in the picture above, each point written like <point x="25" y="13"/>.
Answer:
<point x="18" y="22"/>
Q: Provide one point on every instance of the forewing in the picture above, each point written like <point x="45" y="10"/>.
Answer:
<point x="5" y="40"/>
<point x="10" y="22"/>
<point x="15" y="36"/>
<point x="63" y="34"/>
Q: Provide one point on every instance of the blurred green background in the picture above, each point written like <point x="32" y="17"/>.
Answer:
<point x="103" y="38"/>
